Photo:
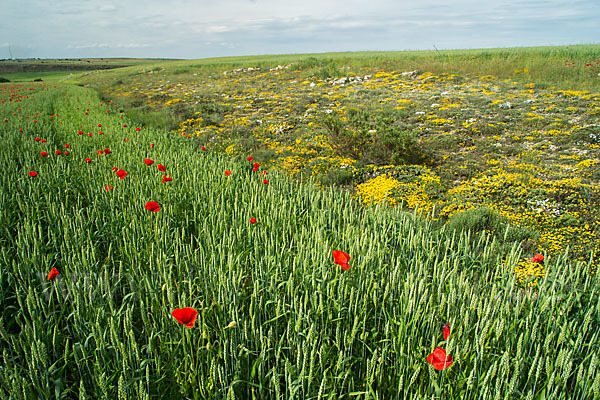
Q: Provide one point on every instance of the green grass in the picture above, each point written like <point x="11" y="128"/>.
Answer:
<point x="304" y="328"/>
<point x="51" y="76"/>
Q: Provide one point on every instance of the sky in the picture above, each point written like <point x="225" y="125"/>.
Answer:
<point x="192" y="29"/>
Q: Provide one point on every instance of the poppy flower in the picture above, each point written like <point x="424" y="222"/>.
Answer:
<point x="127" y="140"/>
<point x="256" y="165"/>
<point x="33" y="174"/>
<point x="266" y="182"/>
<point x="252" y="220"/>
<point x="254" y="169"/>
<point x="138" y="129"/>
<point x="43" y="140"/>
<point x="114" y="168"/>
<point x="148" y="161"/>
<point x="162" y="168"/>
<point x="52" y="274"/>
<point x="67" y="146"/>
<point x="341" y="258"/>
<point x="99" y="152"/>
<point x="80" y="132"/>
<point x="186" y="316"/>
<point x="99" y="125"/>
<point x="37" y="139"/>
<point x="439" y="359"/>
<point x="124" y="125"/>
<point x="152" y="206"/>
<point x="264" y="172"/>
<point x="90" y="134"/>
<point x="106" y="151"/>
<point x="88" y="160"/>
<point x="100" y="133"/>
<point x="151" y="145"/>
<point x="108" y="187"/>
<point x="537" y="258"/>
<point x="58" y="152"/>
<point x="250" y="158"/>
<point x="43" y="153"/>
<point x="446" y="330"/>
<point x="66" y="153"/>
<point x="165" y="179"/>
<point x="121" y="174"/>
<point x="203" y="148"/>
<point x="227" y="173"/>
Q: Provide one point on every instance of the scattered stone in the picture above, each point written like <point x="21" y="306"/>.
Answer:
<point x="410" y="74"/>
<point x="505" y="105"/>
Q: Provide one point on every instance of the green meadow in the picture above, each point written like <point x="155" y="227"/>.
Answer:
<point x="136" y="193"/>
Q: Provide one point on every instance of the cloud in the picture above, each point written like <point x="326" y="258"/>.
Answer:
<point x="199" y="28"/>
<point x="109" y="46"/>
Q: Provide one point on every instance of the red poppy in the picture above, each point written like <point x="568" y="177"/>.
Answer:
<point x="537" y="258"/>
<point x="256" y="165"/>
<point x="138" y="129"/>
<point x="439" y="359"/>
<point x="37" y="139"/>
<point x="165" y="179"/>
<point x="106" y="151"/>
<point x="108" y="187"/>
<point x="33" y="174"/>
<point x="266" y="182"/>
<point x="99" y="125"/>
<point x="203" y="148"/>
<point x="341" y="258"/>
<point x="58" y="152"/>
<point x="53" y="274"/>
<point x="124" y="125"/>
<point x="227" y="173"/>
<point x="162" y="168"/>
<point x="121" y="174"/>
<point x="88" y="160"/>
<point x="254" y="169"/>
<point x="43" y="140"/>
<point x="99" y="152"/>
<point x="67" y="146"/>
<point x="152" y="206"/>
<point x="186" y="316"/>
<point x="66" y="153"/>
<point x="151" y="145"/>
<point x="90" y="134"/>
<point x="252" y="220"/>
<point x="446" y="330"/>
<point x="114" y="168"/>
<point x="43" y="153"/>
<point x="80" y="132"/>
<point x="250" y="158"/>
<point x="148" y="161"/>
<point x="264" y="172"/>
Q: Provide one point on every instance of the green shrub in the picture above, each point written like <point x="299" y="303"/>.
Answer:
<point x="484" y="219"/>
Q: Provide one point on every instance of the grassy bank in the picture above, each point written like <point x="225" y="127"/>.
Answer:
<point x="455" y="134"/>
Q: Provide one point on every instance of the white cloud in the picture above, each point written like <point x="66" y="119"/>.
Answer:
<point x="197" y="28"/>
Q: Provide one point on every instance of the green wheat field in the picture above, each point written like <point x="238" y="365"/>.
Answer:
<point x="331" y="224"/>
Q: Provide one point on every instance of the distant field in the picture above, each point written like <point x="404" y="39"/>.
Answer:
<point x="50" y="69"/>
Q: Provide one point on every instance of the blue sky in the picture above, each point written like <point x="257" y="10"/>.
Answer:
<point x="201" y="28"/>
